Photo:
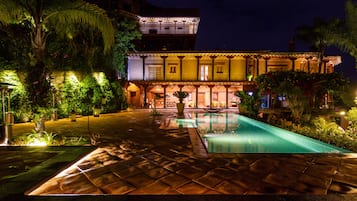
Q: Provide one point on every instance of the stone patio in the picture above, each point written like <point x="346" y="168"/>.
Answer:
<point x="135" y="156"/>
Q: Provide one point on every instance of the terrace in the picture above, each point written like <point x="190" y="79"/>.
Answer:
<point x="137" y="155"/>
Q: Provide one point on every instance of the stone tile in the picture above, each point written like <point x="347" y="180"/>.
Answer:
<point x="78" y="185"/>
<point x="350" y="179"/>
<point x="189" y="172"/>
<point x="209" y="180"/>
<point x="342" y="188"/>
<point x="308" y="189"/>
<point x="146" y="165"/>
<point x="140" y="180"/>
<point x="175" y="180"/>
<point x="266" y="188"/>
<point x="174" y="166"/>
<point x="192" y="188"/>
<point x="321" y="170"/>
<point x="246" y="180"/>
<point x="282" y="178"/>
<point x="118" y="187"/>
<point x="157" y="172"/>
<point x="227" y="187"/>
<point x="224" y="173"/>
<point x="157" y="187"/>
<point x="128" y="172"/>
<point x="264" y="165"/>
<point x="315" y="181"/>
<point x="103" y="179"/>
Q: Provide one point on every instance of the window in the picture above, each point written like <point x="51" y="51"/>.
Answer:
<point x="154" y="72"/>
<point x="132" y="93"/>
<point x="172" y="69"/>
<point x="204" y="73"/>
<point x="219" y="69"/>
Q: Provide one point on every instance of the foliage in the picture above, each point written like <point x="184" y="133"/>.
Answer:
<point x="341" y="33"/>
<point x="345" y="37"/>
<point x="37" y="139"/>
<point x="249" y="103"/>
<point x="46" y="18"/>
<point x="352" y="116"/>
<point x="70" y="99"/>
<point x="303" y="91"/>
<point x="19" y="103"/>
<point x="127" y="33"/>
<point x="47" y="139"/>
<point x="90" y="95"/>
<point x="107" y="92"/>
<point x="180" y="95"/>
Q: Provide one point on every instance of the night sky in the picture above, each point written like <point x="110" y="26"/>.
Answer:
<point x="260" y="24"/>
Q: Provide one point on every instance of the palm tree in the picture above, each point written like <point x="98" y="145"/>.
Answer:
<point x="46" y="18"/>
<point x="345" y="38"/>
<point x="55" y="16"/>
<point x="318" y="35"/>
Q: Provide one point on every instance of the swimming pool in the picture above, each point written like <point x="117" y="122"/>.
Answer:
<point x="233" y="133"/>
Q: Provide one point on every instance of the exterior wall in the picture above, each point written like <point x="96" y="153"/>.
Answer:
<point x="154" y="66"/>
<point x="238" y="69"/>
<point x="135" y="70"/>
<point x="189" y="69"/>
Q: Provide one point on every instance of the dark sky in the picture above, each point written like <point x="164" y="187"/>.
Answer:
<point x="260" y="24"/>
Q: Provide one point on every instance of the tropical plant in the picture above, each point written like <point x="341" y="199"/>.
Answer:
<point x="317" y="35"/>
<point x="128" y="31"/>
<point x="180" y="95"/>
<point x="154" y="111"/>
<point x="250" y="102"/>
<point x="43" y="19"/>
<point x="345" y="37"/>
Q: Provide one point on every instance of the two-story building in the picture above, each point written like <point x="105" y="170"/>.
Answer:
<point x="167" y="63"/>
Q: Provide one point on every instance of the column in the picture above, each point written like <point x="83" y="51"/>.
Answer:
<point x="180" y="57"/>
<point x="196" y="86"/>
<point x="227" y="87"/>
<point x="247" y="57"/>
<point x="143" y="58"/>
<point x="292" y="63"/>
<point x="180" y="86"/>
<point x="257" y="57"/>
<point x="325" y="67"/>
<point x="308" y="64"/>
<point x="164" y="66"/>
<point x="145" y="95"/>
<point x="210" y="95"/>
<point x="212" y="58"/>
<point x="198" y="67"/>
<point x="266" y="63"/>
<point x="229" y="66"/>
<point x="164" y="86"/>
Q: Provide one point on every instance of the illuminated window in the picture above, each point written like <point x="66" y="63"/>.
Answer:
<point x="154" y="72"/>
<point x="204" y="73"/>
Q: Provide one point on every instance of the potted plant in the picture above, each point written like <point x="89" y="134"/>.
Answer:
<point x="180" y="105"/>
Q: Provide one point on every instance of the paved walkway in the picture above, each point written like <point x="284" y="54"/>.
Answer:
<point x="136" y="155"/>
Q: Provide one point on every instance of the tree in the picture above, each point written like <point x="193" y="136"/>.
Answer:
<point x="345" y="37"/>
<point x="334" y="32"/>
<point x="128" y="32"/>
<point x="318" y="35"/>
<point x="43" y="19"/>
<point x="303" y="91"/>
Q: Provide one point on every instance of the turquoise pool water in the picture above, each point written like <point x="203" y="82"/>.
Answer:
<point x="233" y="133"/>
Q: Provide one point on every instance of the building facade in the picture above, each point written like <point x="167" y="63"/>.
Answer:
<point x="166" y="62"/>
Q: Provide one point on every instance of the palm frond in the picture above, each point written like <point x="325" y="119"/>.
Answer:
<point x="10" y="12"/>
<point x="70" y="13"/>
